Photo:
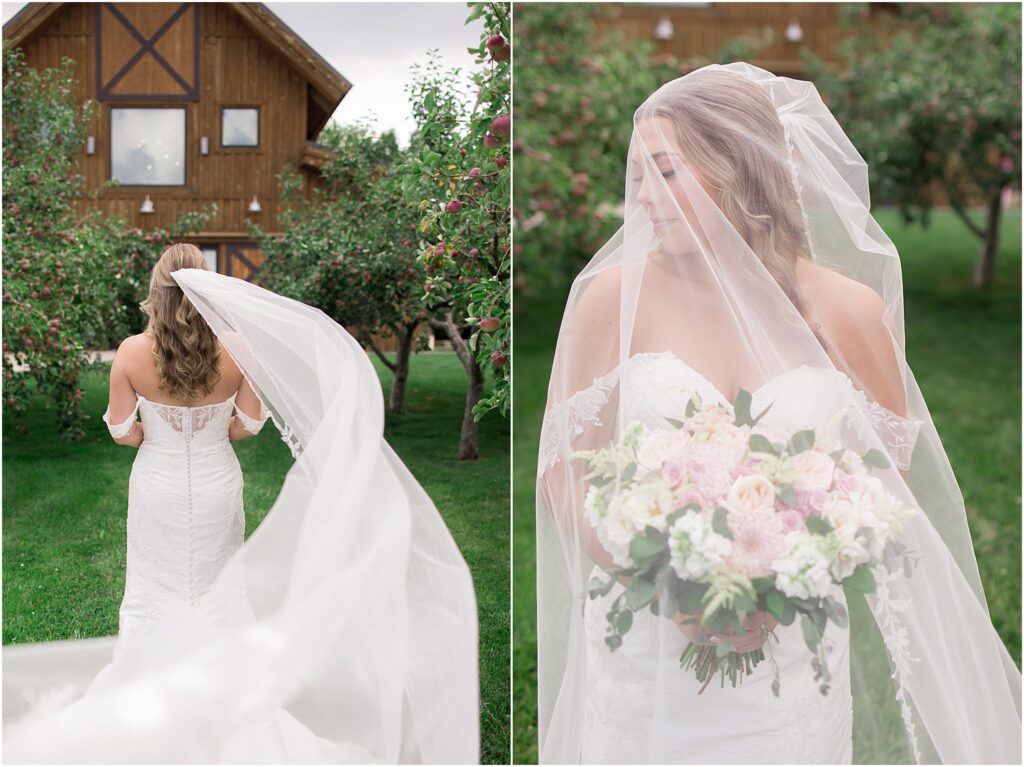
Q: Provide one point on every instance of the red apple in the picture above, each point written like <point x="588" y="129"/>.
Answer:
<point x="489" y="324"/>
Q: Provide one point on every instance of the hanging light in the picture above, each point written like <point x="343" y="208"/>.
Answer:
<point x="793" y="32"/>
<point x="254" y="206"/>
<point x="147" y="206"/>
<point x="90" y="145"/>
<point x="204" y="145"/>
<point x="664" y="30"/>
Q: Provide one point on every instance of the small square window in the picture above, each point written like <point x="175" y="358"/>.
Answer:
<point x="147" y="146"/>
<point x="211" y="257"/>
<point x="240" y="126"/>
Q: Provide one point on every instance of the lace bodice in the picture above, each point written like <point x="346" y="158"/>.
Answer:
<point x="659" y="384"/>
<point x="172" y="426"/>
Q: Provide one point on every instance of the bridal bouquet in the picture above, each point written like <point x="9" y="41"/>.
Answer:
<point x="716" y="517"/>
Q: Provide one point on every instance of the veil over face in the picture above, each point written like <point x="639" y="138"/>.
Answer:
<point x="748" y="271"/>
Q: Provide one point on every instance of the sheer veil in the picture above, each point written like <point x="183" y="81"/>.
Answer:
<point x="343" y="630"/>
<point x="749" y="265"/>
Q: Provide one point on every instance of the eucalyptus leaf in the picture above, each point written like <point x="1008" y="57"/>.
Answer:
<point x="760" y="444"/>
<point x="876" y="458"/>
<point x="640" y="592"/>
<point x="741" y="407"/>
<point x="801" y="441"/>
<point x="818" y="525"/>
<point x="722" y="649"/>
<point x="776" y="603"/>
<point x="719" y="522"/>
<point x="812" y="636"/>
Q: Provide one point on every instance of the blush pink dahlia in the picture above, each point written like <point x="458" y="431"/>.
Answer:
<point x="758" y="539"/>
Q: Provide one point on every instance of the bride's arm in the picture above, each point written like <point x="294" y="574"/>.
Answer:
<point x="250" y="414"/>
<point x="122" y="402"/>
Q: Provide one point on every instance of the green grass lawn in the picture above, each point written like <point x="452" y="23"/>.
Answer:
<point x="964" y="348"/>
<point x="64" y="509"/>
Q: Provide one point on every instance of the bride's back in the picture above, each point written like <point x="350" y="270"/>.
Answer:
<point x="141" y="368"/>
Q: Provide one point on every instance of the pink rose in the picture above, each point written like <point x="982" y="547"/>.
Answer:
<point x="812" y="502"/>
<point x="792" y="520"/>
<point x="672" y="471"/>
<point x="844" y="482"/>
<point x="687" y="497"/>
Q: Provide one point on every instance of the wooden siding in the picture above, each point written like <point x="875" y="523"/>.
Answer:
<point x="236" y="68"/>
<point x="703" y="30"/>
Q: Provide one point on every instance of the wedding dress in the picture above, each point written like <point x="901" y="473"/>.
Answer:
<point x="749" y="272"/>
<point x="725" y="725"/>
<point x="342" y="630"/>
<point x="185" y="512"/>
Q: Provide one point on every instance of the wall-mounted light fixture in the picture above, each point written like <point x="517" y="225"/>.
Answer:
<point x="90" y="145"/>
<point x="147" y="206"/>
<point x="664" y="30"/>
<point x="204" y="145"/>
<point x="793" y="32"/>
<point x="254" y="206"/>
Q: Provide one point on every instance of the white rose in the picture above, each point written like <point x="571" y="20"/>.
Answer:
<point x="850" y="552"/>
<point x="751" y="493"/>
<point x="733" y="439"/>
<point x="648" y="504"/>
<point x="812" y="470"/>
<point x="616" y="533"/>
<point x="663" y="446"/>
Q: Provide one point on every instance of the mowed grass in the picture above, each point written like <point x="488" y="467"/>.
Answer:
<point x="963" y="346"/>
<point x="64" y="507"/>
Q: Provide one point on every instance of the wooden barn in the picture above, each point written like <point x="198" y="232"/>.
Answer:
<point x="684" y="30"/>
<point x="199" y="103"/>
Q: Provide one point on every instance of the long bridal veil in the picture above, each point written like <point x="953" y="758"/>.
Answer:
<point x="343" y="630"/>
<point x="749" y="266"/>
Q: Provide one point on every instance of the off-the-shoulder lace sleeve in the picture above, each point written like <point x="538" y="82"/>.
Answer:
<point x="120" y="430"/>
<point x="898" y="434"/>
<point x="253" y="425"/>
<point x="568" y="419"/>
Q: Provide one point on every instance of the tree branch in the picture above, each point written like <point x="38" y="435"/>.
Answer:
<point x="957" y="205"/>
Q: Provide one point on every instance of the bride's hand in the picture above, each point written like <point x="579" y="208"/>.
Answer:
<point x="748" y="642"/>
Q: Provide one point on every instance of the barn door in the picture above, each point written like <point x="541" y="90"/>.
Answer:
<point x="147" y="51"/>
<point x="242" y="259"/>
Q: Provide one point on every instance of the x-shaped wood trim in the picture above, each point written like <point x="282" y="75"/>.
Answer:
<point x="147" y="46"/>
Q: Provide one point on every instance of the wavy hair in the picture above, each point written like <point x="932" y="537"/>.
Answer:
<point x="184" y="347"/>
<point x="732" y="133"/>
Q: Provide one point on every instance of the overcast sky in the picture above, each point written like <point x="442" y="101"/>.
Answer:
<point x="373" y="45"/>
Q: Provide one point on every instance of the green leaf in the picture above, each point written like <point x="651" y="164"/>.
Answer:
<point x="776" y="603"/>
<point x="812" y="636"/>
<point x="722" y="649"/>
<point x="643" y="548"/>
<point x="741" y="407"/>
<point x="640" y="592"/>
<point x="788" y="615"/>
<point x="788" y="495"/>
<point x="801" y="441"/>
<point x="877" y="459"/>
<point x="622" y="621"/>
<point x="675" y="422"/>
<point x="761" y="444"/>
<point x="719" y="522"/>
<point x="628" y="472"/>
<point x="691" y="407"/>
<point x="763" y="585"/>
<point x="862" y="580"/>
<point x="818" y="525"/>
<point x="598" y="587"/>
<point x="762" y="414"/>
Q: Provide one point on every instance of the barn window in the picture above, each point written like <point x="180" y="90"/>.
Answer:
<point x="211" y="252"/>
<point x="240" y="126"/>
<point x="147" y="146"/>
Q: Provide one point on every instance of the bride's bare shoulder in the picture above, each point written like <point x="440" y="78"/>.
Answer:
<point x="596" y="295"/>
<point x="840" y="299"/>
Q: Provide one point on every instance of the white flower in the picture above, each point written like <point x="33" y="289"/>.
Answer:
<point x="803" y="569"/>
<point x="616" y="533"/>
<point x="732" y="439"/>
<point x="751" y="493"/>
<point x="696" y="548"/>
<point x="705" y="422"/>
<point x="648" y="503"/>
<point x="661" y="446"/>
<point x="811" y="470"/>
<point x="849" y="552"/>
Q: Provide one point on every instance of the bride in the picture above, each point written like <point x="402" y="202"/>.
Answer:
<point x="185" y="512"/>
<point x="749" y="284"/>
<point x="343" y="630"/>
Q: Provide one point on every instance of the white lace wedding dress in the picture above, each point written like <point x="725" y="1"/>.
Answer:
<point x="185" y="512"/>
<point x="626" y="709"/>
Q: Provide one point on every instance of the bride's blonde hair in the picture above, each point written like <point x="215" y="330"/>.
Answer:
<point x="184" y="347"/>
<point x="728" y="127"/>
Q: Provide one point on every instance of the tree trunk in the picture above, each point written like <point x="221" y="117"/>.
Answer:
<point x="474" y="388"/>
<point x="985" y="266"/>
<point x="404" y="334"/>
<point x="396" y="402"/>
